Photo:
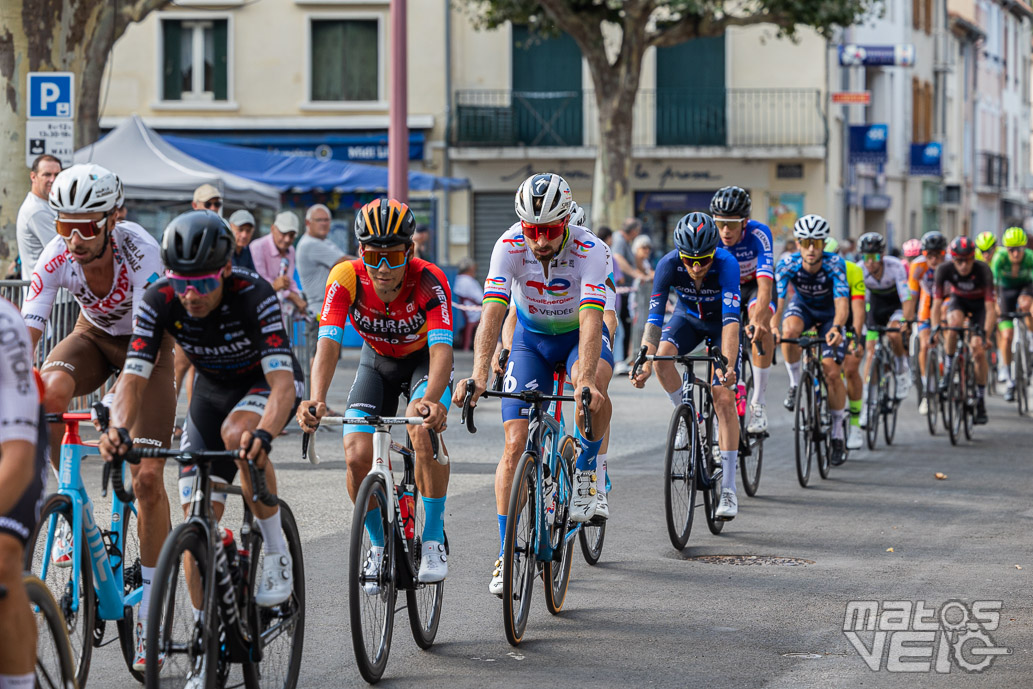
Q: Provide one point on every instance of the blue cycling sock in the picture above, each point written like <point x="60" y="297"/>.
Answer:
<point x="375" y="527"/>
<point x="589" y="451"/>
<point x="502" y="532"/>
<point x="434" y="522"/>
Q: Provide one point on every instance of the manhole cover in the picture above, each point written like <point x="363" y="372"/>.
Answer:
<point x="751" y="560"/>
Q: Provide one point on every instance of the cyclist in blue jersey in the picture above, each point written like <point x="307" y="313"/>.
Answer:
<point x="750" y="243"/>
<point x="822" y="302"/>
<point x="705" y="279"/>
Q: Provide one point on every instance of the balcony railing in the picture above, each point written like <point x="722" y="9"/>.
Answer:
<point x="662" y="117"/>
<point x="993" y="171"/>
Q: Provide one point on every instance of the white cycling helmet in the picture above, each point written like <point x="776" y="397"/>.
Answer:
<point x="85" y="188"/>
<point x="577" y="215"/>
<point x="811" y="227"/>
<point x="543" y="199"/>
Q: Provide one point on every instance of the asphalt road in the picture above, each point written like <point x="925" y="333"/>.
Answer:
<point x="882" y="528"/>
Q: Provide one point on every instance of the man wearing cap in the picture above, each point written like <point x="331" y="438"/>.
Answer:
<point x="242" y="223"/>
<point x="316" y="256"/>
<point x="207" y="197"/>
<point x="35" y="224"/>
<point x="273" y="255"/>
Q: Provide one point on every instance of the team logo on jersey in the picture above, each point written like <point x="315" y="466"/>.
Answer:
<point x="274" y="340"/>
<point x="495" y="282"/>
<point x="556" y="288"/>
<point x="138" y="344"/>
<point x="596" y="288"/>
<point x="168" y="292"/>
<point x="515" y="241"/>
<point x="583" y="247"/>
<point x="731" y="299"/>
<point x="36" y="287"/>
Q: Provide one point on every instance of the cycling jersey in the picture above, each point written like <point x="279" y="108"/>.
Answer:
<point x="242" y="339"/>
<point x="817" y="290"/>
<point x="420" y="316"/>
<point x="894" y="278"/>
<point x="922" y="277"/>
<point x="753" y="252"/>
<point x="855" y="279"/>
<point x="1002" y="268"/>
<point x="977" y="285"/>
<point x="137" y="261"/>
<point x="716" y="299"/>
<point x="578" y="276"/>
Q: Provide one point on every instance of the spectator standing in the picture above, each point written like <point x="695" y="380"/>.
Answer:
<point x="207" y="197"/>
<point x="642" y="252"/>
<point x="35" y="224"/>
<point x="469" y="291"/>
<point x="242" y="223"/>
<point x="274" y="258"/>
<point x="421" y="243"/>
<point x="316" y="255"/>
<point x="620" y="367"/>
<point x="625" y="259"/>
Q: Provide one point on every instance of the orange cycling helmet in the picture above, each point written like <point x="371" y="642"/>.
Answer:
<point x="385" y="222"/>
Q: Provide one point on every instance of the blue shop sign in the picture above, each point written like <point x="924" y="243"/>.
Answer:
<point x="927" y="159"/>
<point x="868" y="143"/>
<point x="853" y="55"/>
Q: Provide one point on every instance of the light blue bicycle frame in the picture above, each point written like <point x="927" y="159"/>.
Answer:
<point x="107" y="571"/>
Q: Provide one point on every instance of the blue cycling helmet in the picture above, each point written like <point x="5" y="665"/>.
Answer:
<point x="696" y="234"/>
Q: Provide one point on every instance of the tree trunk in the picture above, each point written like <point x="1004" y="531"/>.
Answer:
<point x="612" y="200"/>
<point x="56" y="36"/>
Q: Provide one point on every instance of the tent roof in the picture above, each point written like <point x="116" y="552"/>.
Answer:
<point x="151" y="168"/>
<point x="300" y="174"/>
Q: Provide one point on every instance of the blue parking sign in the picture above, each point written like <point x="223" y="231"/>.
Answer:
<point x="51" y="94"/>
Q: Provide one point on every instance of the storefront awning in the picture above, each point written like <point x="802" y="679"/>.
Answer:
<point x="344" y="146"/>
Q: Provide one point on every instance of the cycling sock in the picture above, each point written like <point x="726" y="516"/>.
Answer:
<point x="794" y="373"/>
<point x="947" y="362"/>
<point x="600" y="472"/>
<point x="760" y="384"/>
<point x="901" y="364"/>
<point x="837" y="423"/>
<point x="980" y="391"/>
<point x="18" y="681"/>
<point x="375" y="527"/>
<point x="434" y="521"/>
<point x="855" y="412"/>
<point x="1007" y="372"/>
<point x="589" y="450"/>
<point x="147" y="576"/>
<point x="728" y="459"/>
<point x="502" y="532"/>
<point x="272" y="534"/>
<point x="675" y="397"/>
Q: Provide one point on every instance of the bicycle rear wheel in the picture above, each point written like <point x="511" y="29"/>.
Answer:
<point x="1018" y="362"/>
<point x="423" y="602"/>
<point x="281" y="628"/>
<point x="556" y="574"/>
<point x="680" y="475"/>
<point x="55" y="666"/>
<point x="968" y="420"/>
<point x="932" y="391"/>
<point x="824" y="439"/>
<point x="955" y="407"/>
<point x="56" y="517"/>
<point x="804" y="430"/>
<point x="706" y="464"/>
<point x="132" y="579"/>
<point x="371" y="599"/>
<point x="751" y="445"/>
<point x="872" y="404"/>
<point x="889" y="405"/>
<point x="591" y="534"/>
<point x="519" y="562"/>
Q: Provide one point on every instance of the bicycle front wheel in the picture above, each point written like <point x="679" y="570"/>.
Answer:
<point x="970" y="397"/>
<point x="56" y="519"/>
<point x="872" y="405"/>
<point x="804" y="428"/>
<point x="751" y="445"/>
<point x="371" y="594"/>
<point x="932" y="391"/>
<point x="132" y="580"/>
<point x="55" y="666"/>
<point x="680" y="475"/>
<point x="556" y="574"/>
<point x="889" y="405"/>
<point x="1018" y="362"/>
<point x="955" y="406"/>
<point x="280" y="628"/>
<point x="423" y="602"/>
<point x="519" y="563"/>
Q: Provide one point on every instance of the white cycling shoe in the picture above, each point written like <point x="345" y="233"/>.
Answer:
<point x="602" y="506"/>
<point x="495" y="587"/>
<point x="854" y="438"/>
<point x="277" y="580"/>
<point x="728" y="507"/>
<point x="923" y="407"/>
<point x="433" y="563"/>
<point x="903" y="385"/>
<point x="371" y="571"/>
<point x="758" y="419"/>
<point x="585" y="500"/>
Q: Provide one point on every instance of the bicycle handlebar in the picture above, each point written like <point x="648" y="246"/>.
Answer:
<point x="750" y="330"/>
<point x="260" y="491"/>
<point x="713" y="356"/>
<point x="530" y="396"/>
<point x="496" y="385"/>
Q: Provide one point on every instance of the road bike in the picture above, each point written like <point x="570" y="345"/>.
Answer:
<point x="96" y="577"/>
<point x="1021" y="359"/>
<point x="539" y="533"/>
<point x="689" y="461"/>
<point x="881" y="400"/>
<point x="751" y="445"/>
<point x="372" y="590"/>
<point x="203" y="621"/>
<point x="960" y="399"/>
<point x="55" y="666"/>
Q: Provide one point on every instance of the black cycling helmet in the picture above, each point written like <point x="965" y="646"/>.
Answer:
<point x="872" y="243"/>
<point x="934" y="241"/>
<point x="963" y="247"/>
<point x="732" y="202"/>
<point x="385" y="222"/>
<point x="696" y="234"/>
<point x="196" y="242"/>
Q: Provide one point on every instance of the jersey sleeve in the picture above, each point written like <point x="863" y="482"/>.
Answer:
<point x="901" y="279"/>
<point x="837" y="271"/>
<point x="19" y="417"/>
<point x="498" y="287"/>
<point x="434" y="288"/>
<point x="340" y="293"/>
<point x="988" y="281"/>
<point x="268" y="334"/>
<point x="997" y="266"/>
<point x="914" y="278"/>
<point x="940" y="280"/>
<point x="855" y="278"/>
<point x="783" y="274"/>
<point x="765" y="257"/>
<point x="598" y="267"/>
<point x="148" y="273"/>
<point x="663" y="280"/>
<point x="43" y="287"/>
<point x="148" y="328"/>
<point x="730" y="294"/>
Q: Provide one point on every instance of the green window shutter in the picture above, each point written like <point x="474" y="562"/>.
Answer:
<point x="690" y="93"/>
<point x="171" y="75"/>
<point x="220" y="36"/>
<point x="547" y="98"/>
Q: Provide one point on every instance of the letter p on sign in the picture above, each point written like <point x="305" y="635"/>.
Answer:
<point x="51" y="95"/>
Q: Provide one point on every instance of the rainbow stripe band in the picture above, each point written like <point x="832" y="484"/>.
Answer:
<point x="592" y="304"/>
<point x="497" y="297"/>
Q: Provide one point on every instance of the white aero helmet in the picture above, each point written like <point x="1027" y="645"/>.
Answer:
<point x="543" y="199"/>
<point x="577" y="215"/>
<point x="85" y="188"/>
<point x="811" y="227"/>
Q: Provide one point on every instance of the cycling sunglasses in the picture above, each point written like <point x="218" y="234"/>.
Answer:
<point x="86" y="229"/>
<point x="696" y="261"/>
<point x="811" y="243"/>
<point x="547" y="232"/>
<point x="874" y="258"/>
<point x="374" y="258"/>
<point x="202" y="284"/>
<point x="727" y="222"/>
<point x="932" y="253"/>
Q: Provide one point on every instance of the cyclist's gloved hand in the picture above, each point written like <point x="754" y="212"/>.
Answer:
<point x="116" y="442"/>
<point x="434" y="414"/>
<point x="306" y="419"/>
<point x="107" y="401"/>
<point x="255" y="446"/>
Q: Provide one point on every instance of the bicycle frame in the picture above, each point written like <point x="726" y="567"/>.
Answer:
<point x="107" y="574"/>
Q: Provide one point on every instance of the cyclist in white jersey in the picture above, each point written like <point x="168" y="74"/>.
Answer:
<point x="557" y="274"/>
<point x="106" y="266"/>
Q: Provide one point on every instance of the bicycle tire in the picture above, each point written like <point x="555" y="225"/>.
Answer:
<point x="172" y="612"/>
<point x="751" y="445"/>
<point x="871" y="404"/>
<point x="932" y="391"/>
<point x="803" y="428"/>
<point x="591" y="535"/>
<point x="81" y="624"/>
<point x="519" y="565"/>
<point x="132" y="579"/>
<point x="556" y="575"/>
<point x="52" y="626"/>
<point x="890" y="404"/>
<point x="824" y="454"/>
<point x="282" y="622"/>
<point x="1019" y="371"/>
<point x="955" y="406"/>
<point x="680" y="476"/>
<point x="371" y="658"/>
<point x="707" y="441"/>
<point x="968" y="420"/>
<point x="423" y="603"/>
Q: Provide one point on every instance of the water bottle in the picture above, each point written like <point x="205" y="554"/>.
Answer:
<point x="229" y="546"/>
<point x="407" y="506"/>
<point x="740" y="399"/>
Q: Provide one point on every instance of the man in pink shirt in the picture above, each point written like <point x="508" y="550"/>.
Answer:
<point x="274" y="259"/>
